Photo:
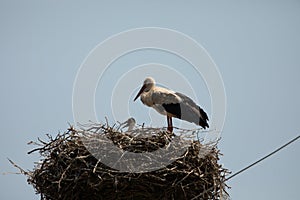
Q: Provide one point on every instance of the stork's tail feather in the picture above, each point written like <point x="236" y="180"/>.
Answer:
<point x="203" y="118"/>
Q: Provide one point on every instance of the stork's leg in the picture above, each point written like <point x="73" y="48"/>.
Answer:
<point x="170" y="125"/>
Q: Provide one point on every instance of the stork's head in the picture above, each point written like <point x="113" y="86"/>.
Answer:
<point x="149" y="83"/>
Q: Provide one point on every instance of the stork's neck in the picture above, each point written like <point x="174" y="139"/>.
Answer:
<point x="146" y="98"/>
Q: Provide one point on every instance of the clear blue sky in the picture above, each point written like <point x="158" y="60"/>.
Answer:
<point x="255" y="45"/>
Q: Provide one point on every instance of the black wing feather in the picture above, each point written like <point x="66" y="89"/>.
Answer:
<point x="173" y="108"/>
<point x="190" y="111"/>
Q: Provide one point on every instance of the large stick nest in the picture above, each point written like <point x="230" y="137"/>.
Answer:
<point x="70" y="168"/>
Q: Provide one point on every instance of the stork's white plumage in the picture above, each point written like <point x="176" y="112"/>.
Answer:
<point x="171" y="104"/>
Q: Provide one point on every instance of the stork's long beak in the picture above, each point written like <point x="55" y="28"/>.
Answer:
<point x="140" y="92"/>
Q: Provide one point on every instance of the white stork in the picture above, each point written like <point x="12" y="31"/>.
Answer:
<point x="171" y="104"/>
<point x="130" y="123"/>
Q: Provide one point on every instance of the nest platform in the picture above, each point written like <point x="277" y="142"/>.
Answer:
<point x="69" y="171"/>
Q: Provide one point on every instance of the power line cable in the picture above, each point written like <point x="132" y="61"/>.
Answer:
<point x="253" y="164"/>
<point x="263" y="158"/>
